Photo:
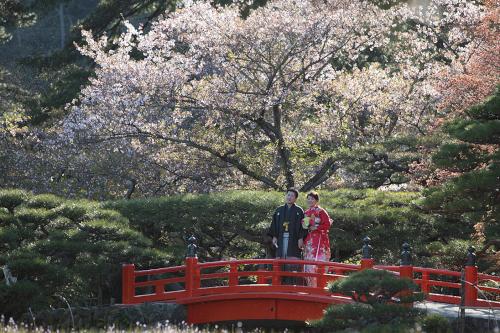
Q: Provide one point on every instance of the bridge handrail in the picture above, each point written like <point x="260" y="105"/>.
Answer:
<point x="211" y="264"/>
<point x="436" y="271"/>
<point x="486" y="277"/>
<point x="438" y="283"/>
<point x="490" y="289"/>
<point x="163" y="270"/>
<point x="388" y="267"/>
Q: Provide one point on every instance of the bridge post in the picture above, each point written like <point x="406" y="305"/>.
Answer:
<point x="191" y="276"/>
<point x="425" y="283"/>
<point x="128" y="281"/>
<point x="406" y="269"/>
<point x="261" y="278"/>
<point x="233" y="275"/>
<point x="276" y="273"/>
<point x="367" y="260"/>
<point x="322" y="270"/>
<point x="471" y="278"/>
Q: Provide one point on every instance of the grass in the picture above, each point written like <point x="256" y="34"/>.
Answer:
<point x="11" y="326"/>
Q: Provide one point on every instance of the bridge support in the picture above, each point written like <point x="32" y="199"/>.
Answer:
<point x="471" y="278"/>
<point x="191" y="275"/>
<point x="406" y="267"/>
<point x="406" y="271"/>
<point x="253" y="309"/>
<point x="128" y="282"/>
<point x="367" y="263"/>
<point x="470" y="285"/>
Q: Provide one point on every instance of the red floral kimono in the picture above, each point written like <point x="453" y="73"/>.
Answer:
<point x="317" y="243"/>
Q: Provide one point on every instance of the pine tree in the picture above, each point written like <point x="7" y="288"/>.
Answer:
<point x="472" y="199"/>
<point x="57" y="247"/>
<point x="377" y="304"/>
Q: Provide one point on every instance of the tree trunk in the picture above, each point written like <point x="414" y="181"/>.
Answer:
<point x="326" y="171"/>
<point x="61" y="25"/>
<point x="19" y="39"/>
<point x="131" y="188"/>
<point x="99" y="292"/>
<point x="283" y="150"/>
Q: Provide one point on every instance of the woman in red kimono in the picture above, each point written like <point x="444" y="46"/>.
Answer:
<point x="317" y="243"/>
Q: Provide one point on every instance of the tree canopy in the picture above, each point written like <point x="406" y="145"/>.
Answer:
<point x="471" y="198"/>
<point x="269" y="96"/>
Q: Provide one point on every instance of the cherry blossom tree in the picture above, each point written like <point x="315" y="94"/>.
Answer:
<point x="474" y="75"/>
<point x="271" y="96"/>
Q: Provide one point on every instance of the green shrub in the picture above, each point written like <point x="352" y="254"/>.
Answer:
<point x="232" y="224"/>
<point x="377" y="295"/>
<point x="435" y="323"/>
<point x="84" y="243"/>
<point x="76" y="210"/>
<point x="453" y="253"/>
<point x="119" y="317"/>
<point x="469" y="201"/>
<point x="34" y="216"/>
<point x="15" y="299"/>
<point x="12" y="198"/>
<point x="373" y="286"/>
<point x="62" y="247"/>
<point x="47" y="201"/>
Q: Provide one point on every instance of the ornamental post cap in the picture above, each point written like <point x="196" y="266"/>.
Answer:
<point x="192" y="247"/>
<point x="471" y="256"/>
<point x="406" y="259"/>
<point x="366" y="250"/>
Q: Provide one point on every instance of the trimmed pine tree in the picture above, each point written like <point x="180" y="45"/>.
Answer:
<point x="471" y="200"/>
<point x="380" y="304"/>
<point x="65" y="248"/>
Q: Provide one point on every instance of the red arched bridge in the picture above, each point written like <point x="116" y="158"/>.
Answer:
<point x="257" y="288"/>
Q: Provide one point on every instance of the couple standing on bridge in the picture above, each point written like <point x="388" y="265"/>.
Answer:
<point x="296" y="234"/>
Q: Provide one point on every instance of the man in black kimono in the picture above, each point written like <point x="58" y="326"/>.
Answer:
<point x="286" y="229"/>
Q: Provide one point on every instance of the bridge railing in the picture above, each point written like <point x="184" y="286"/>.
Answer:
<point x="251" y="275"/>
<point x="195" y="279"/>
<point x="270" y="275"/>
<point x="154" y="280"/>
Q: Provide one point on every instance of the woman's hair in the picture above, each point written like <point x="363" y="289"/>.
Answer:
<point x="313" y="194"/>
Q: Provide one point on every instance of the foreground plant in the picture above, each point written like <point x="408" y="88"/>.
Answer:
<point x="381" y="304"/>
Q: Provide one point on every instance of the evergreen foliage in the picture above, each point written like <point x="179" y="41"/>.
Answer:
<point x="232" y="224"/>
<point x="75" y="248"/>
<point x="376" y="309"/>
<point x="470" y="201"/>
<point x="383" y="163"/>
<point x="97" y="318"/>
<point x="434" y="323"/>
<point x="57" y="247"/>
<point x="13" y="14"/>
<point x="374" y="286"/>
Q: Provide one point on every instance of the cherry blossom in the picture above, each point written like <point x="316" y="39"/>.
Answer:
<point x="272" y="95"/>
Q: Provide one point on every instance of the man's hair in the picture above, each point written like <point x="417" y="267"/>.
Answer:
<point x="313" y="194"/>
<point x="294" y="192"/>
